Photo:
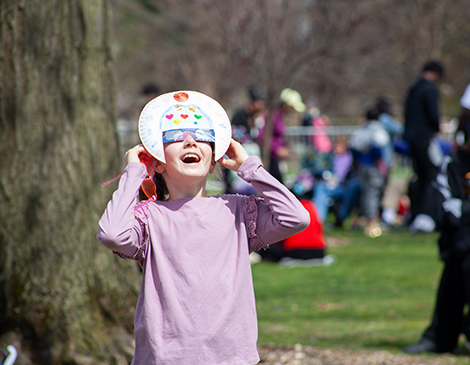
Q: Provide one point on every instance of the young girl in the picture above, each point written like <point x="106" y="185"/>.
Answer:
<point x="196" y="304"/>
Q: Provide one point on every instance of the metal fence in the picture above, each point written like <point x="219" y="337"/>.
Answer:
<point x="300" y="137"/>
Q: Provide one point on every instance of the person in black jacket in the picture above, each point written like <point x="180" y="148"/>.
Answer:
<point x="421" y="125"/>
<point x="245" y="117"/>
<point x="451" y="192"/>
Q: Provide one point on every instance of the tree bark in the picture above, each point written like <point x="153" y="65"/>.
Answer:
<point x="63" y="298"/>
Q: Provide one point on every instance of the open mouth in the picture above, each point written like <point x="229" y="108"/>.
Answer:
<point x="191" y="158"/>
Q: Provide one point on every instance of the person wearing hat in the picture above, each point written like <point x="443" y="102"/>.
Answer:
<point x="196" y="305"/>
<point x="451" y="194"/>
<point x="244" y="118"/>
<point x="289" y="101"/>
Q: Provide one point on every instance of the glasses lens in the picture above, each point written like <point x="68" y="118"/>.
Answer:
<point x="176" y="135"/>
<point x="205" y="135"/>
<point x="148" y="164"/>
<point x="173" y="135"/>
<point x="149" y="188"/>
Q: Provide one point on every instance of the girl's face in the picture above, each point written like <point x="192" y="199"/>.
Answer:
<point x="187" y="159"/>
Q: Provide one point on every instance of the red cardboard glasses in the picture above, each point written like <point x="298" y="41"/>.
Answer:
<point x="148" y="185"/>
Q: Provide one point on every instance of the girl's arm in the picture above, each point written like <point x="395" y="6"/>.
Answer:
<point x="280" y="214"/>
<point x="119" y="229"/>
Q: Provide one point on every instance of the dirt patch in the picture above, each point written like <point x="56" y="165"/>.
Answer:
<point x="305" y="355"/>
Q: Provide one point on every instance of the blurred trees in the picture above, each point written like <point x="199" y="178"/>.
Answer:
<point x="63" y="297"/>
<point x="278" y="43"/>
<point x="343" y="53"/>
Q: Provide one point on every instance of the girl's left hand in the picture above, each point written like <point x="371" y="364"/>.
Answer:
<point x="236" y="156"/>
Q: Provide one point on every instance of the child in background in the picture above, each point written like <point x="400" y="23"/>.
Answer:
<point x="338" y="184"/>
<point x="367" y="145"/>
<point x="196" y="304"/>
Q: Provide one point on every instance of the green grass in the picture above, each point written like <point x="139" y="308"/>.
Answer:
<point x="378" y="295"/>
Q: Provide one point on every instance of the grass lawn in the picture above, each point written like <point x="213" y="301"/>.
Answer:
<point x="378" y="295"/>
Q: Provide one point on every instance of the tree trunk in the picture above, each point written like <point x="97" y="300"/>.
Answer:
<point x="63" y="298"/>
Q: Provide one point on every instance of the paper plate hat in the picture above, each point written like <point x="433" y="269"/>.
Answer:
<point x="170" y="117"/>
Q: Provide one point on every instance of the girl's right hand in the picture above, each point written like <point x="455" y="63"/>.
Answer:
<point x="133" y="154"/>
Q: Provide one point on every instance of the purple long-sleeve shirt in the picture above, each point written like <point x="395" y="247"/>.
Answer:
<point x="196" y="304"/>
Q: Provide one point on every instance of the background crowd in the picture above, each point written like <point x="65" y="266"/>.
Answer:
<point x="353" y="176"/>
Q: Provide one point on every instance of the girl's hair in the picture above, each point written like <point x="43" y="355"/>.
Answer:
<point x="162" y="190"/>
